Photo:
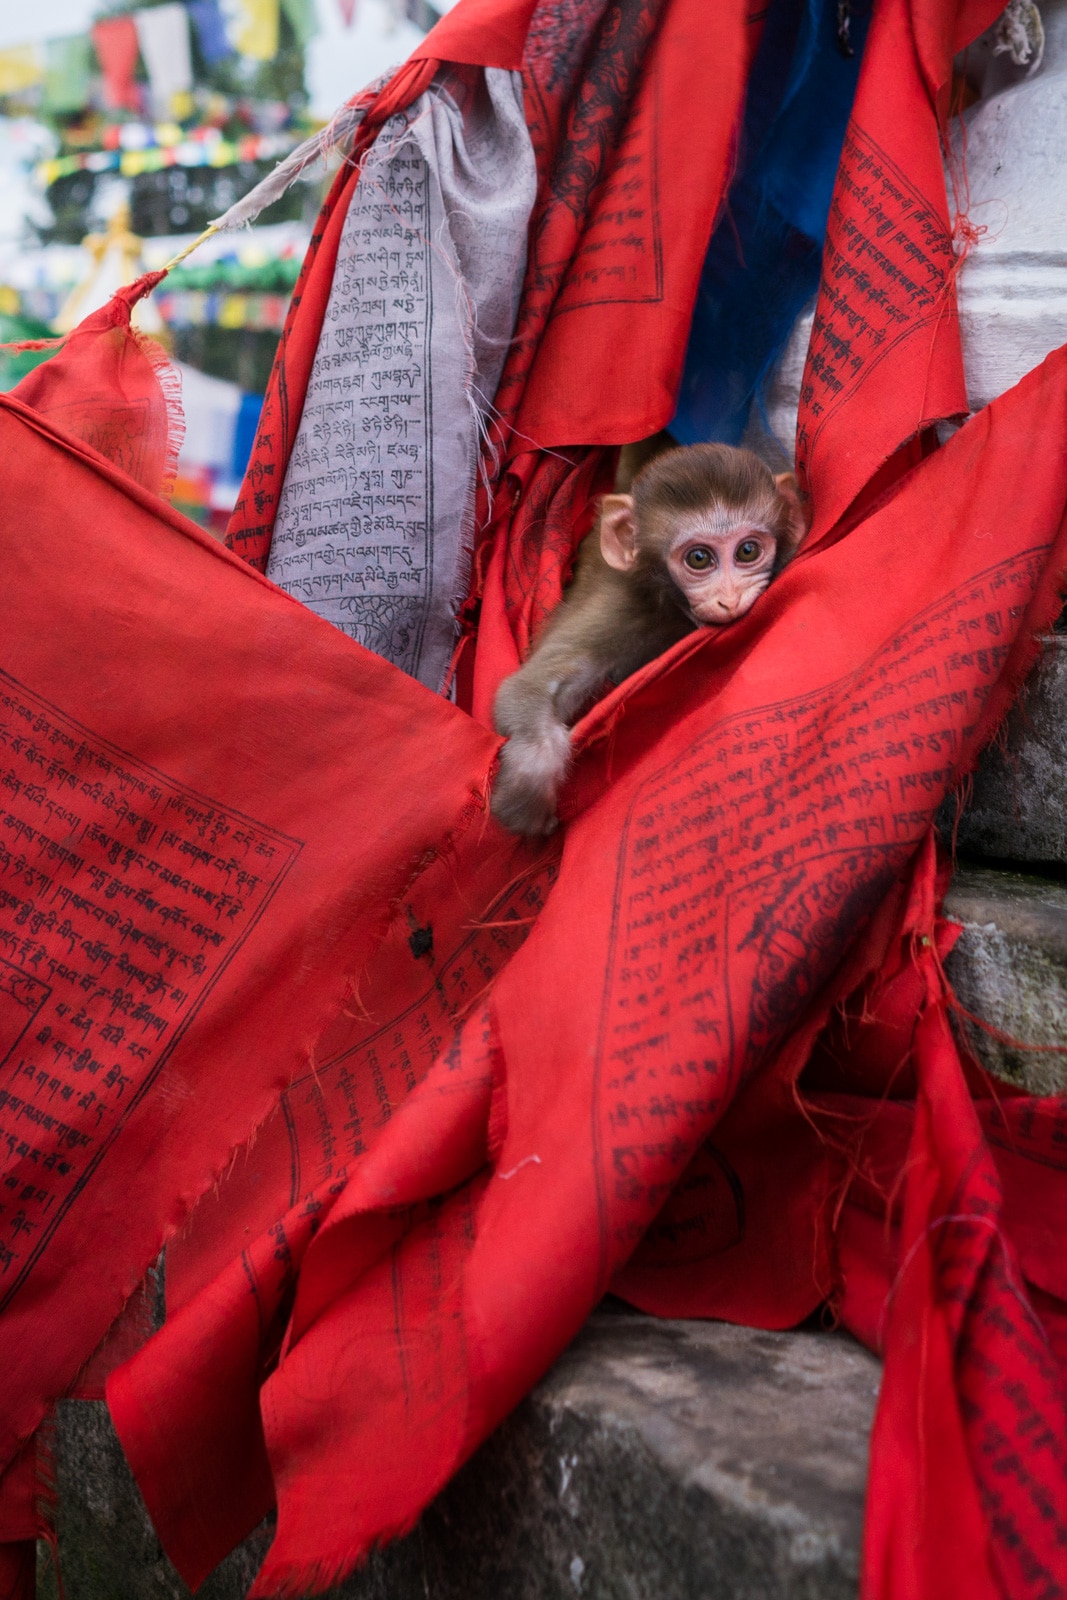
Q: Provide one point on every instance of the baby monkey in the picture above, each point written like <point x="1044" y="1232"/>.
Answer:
<point x="695" y="544"/>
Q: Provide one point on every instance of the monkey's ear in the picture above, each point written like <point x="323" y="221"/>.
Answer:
<point x="618" y="531"/>
<point x="799" y="520"/>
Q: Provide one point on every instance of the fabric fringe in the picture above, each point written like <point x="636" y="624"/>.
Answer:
<point x="170" y="385"/>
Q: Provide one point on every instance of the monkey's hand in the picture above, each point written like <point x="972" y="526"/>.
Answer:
<point x="532" y="768"/>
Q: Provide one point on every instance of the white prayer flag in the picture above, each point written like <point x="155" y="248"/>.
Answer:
<point x="163" y="35"/>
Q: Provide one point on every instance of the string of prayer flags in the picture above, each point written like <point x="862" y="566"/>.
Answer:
<point x="189" y="152"/>
<point x="115" y="41"/>
<point x="163" y="35"/>
<point x="211" y="36"/>
<point x="68" y="71"/>
<point x="198" y="308"/>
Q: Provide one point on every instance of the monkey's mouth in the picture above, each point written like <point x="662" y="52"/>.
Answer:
<point x="717" y="621"/>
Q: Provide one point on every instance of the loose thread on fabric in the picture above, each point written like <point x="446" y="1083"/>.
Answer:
<point x="525" y="1162"/>
<point x="962" y="798"/>
<point x="849" y="1152"/>
<point x="964" y="235"/>
<point x="354" y="999"/>
<point x="505" y="894"/>
<point x="329" y="141"/>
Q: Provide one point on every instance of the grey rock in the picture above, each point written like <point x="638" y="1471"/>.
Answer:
<point x="1016" y="810"/>
<point x="1009" y="968"/>
<point x="108" y="1549"/>
<point x="656" y="1461"/>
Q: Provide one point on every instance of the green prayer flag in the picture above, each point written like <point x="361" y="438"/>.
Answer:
<point x="68" y="69"/>
<point x="300" y="15"/>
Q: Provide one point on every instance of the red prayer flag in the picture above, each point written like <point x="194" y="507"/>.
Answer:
<point x="884" y="361"/>
<point x="117" y="50"/>
<point x="114" y="389"/>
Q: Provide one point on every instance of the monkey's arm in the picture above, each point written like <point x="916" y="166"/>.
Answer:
<point x="594" y="638"/>
<point x="534" y="709"/>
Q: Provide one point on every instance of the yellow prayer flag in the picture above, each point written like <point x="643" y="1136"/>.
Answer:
<point x="233" y="311"/>
<point x="22" y="65"/>
<point x="255" y="30"/>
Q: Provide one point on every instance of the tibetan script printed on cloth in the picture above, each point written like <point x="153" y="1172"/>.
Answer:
<point x="146" y="890"/>
<point x="376" y="518"/>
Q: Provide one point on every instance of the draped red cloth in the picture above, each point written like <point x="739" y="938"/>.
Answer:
<point x="695" y="1049"/>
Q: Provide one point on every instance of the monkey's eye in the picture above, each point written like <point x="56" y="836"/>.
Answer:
<point x="748" y="550"/>
<point x="700" y="558"/>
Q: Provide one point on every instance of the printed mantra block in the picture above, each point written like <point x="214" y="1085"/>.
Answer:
<point x="886" y="270"/>
<point x="104" y="966"/>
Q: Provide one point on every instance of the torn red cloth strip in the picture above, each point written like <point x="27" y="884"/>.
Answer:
<point x="885" y="1188"/>
<point x="884" y="360"/>
<point x="624" y="218"/>
<point x="950" y="1194"/>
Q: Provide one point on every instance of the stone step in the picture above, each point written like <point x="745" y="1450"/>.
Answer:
<point x="1016" y="809"/>
<point x="656" y="1461"/>
<point x="1009" y="968"/>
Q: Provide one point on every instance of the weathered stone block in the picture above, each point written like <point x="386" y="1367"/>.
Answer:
<point x="1010" y="968"/>
<point x="656" y="1461"/>
<point x="1016" y="810"/>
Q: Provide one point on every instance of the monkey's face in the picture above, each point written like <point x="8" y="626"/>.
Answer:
<point x="719" y="566"/>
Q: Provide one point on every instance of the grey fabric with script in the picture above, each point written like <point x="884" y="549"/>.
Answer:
<point x="377" y="512"/>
